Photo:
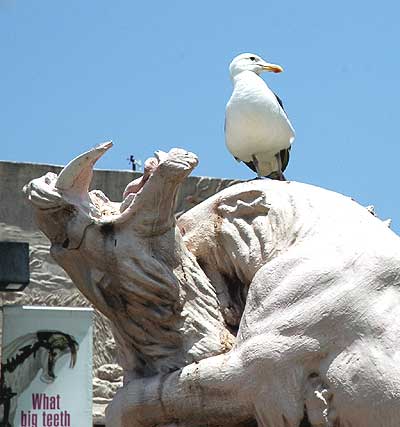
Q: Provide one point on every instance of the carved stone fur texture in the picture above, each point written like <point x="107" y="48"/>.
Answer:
<point x="270" y="302"/>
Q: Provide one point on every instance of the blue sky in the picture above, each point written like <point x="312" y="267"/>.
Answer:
<point x="154" y="75"/>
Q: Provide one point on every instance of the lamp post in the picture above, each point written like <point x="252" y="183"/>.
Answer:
<point x="14" y="266"/>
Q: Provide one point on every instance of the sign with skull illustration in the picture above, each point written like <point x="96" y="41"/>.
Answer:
<point x="46" y="367"/>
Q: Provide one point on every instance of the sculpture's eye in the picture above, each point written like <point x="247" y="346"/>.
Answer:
<point x="253" y="58"/>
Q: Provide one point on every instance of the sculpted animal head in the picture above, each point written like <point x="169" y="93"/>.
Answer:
<point x="85" y="226"/>
<point x="130" y="261"/>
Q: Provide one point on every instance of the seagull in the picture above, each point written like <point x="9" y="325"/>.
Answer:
<point x="257" y="129"/>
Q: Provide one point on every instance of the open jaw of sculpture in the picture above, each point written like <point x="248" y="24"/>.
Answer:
<point x="274" y="302"/>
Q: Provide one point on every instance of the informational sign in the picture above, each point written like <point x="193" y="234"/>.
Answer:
<point x="46" y="367"/>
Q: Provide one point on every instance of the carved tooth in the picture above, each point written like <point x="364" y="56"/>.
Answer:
<point x="160" y="155"/>
<point x="77" y="175"/>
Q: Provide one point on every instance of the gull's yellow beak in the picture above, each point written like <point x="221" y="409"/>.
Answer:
<point x="272" y="67"/>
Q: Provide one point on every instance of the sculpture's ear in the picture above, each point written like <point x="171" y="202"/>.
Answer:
<point x="246" y="203"/>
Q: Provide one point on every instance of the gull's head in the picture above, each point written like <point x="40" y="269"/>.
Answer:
<point x="251" y="62"/>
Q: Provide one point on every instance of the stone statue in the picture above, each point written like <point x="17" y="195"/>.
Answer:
<point x="271" y="303"/>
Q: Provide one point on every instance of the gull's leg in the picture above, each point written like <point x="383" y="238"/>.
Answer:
<point x="255" y="163"/>
<point x="278" y="175"/>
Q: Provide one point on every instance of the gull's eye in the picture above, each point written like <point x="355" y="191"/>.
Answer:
<point x="252" y="58"/>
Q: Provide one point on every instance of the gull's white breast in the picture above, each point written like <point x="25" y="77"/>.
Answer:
<point x="255" y="123"/>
